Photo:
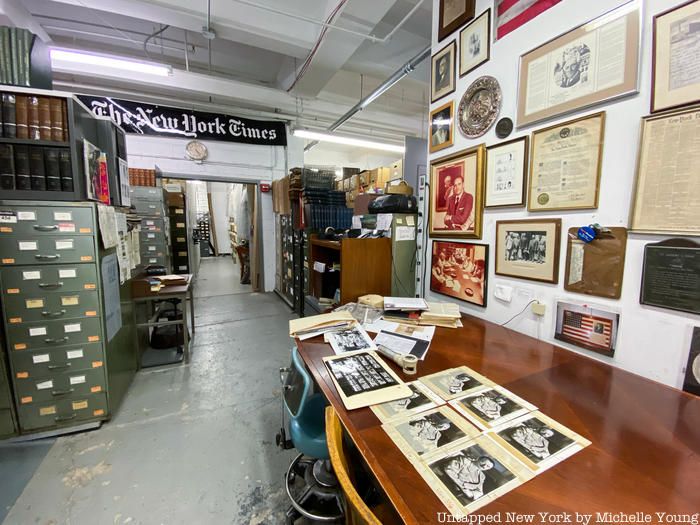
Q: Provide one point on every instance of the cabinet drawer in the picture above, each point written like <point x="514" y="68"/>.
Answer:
<point x="47" y="249"/>
<point x="30" y="221"/>
<point x="50" y="334"/>
<point x="62" y="412"/>
<point x="152" y="249"/>
<point x="146" y="192"/>
<point x="50" y="278"/>
<point x="152" y="225"/>
<point x="152" y="236"/>
<point x="159" y="261"/>
<point x="66" y="385"/>
<point x="7" y="425"/>
<point x="28" y="308"/>
<point x="153" y="209"/>
<point x="181" y="268"/>
<point x="179" y="239"/>
<point x="45" y="362"/>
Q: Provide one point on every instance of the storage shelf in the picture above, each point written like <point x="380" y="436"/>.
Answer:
<point x="333" y="245"/>
<point x="33" y="142"/>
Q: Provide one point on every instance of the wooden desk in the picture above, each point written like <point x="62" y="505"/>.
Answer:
<point x="645" y="452"/>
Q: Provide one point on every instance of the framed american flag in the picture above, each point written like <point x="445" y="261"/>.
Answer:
<point x="511" y="14"/>
<point x="587" y="327"/>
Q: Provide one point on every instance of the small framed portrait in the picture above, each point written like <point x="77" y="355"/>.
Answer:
<point x="675" y="76"/>
<point x="453" y="14"/>
<point x="587" y="327"/>
<point x="456" y="194"/>
<point x="442" y="127"/>
<point x="538" y="441"/>
<point x="475" y="43"/>
<point x="528" y="249"/>
<point x="455" y="382"/>
<point x="506" y="173"/>
<point x="460" y="269"/>
<point x="443" y="72"/>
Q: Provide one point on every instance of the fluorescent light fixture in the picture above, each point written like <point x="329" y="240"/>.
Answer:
<point x="337" y="139"/>
<point x="106" y="62"/>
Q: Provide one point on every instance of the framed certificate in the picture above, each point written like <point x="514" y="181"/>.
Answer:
<point x="676" y="57"/>
<point x="565" y="165"/>
<point x="506" y="172"/>
<point x="590" y="64"/>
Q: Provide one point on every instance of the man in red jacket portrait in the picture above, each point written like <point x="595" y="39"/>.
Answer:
<point x="459" y="207"/>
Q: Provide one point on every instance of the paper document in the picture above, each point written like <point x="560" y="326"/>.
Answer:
<point x="350" y="340"/>
<point x="384" y="221"/>
<point x="319" y="266"/>
<point x="405" y="303"/>
<point x="318" y="322"/>
<point x="405" y="233"/>
<point x="403" y="344"/>
<point x="425" y="333"/>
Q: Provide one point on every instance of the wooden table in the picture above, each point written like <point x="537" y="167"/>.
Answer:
<point x="645" y="452"/>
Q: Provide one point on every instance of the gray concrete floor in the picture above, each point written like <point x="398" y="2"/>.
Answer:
<point x="191" y="444"/>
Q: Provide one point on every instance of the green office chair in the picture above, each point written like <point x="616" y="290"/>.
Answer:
<point x="311" y="485"/>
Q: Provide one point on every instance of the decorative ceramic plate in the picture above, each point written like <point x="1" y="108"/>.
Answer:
<point x="479" y="107"/>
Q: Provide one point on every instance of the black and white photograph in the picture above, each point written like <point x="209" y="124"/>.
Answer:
<point x="425" y="432"/>
<point x="420" y="400"/>
<point x="455" y="382"/>
<point x="537" y="440"/>
<point x="350" y="340"/>
<point x="571" y="68"/>
<point x="443" y="72"/>
<point x="475" y="43"/>
<point x="442" y="127"/>
<point x="491" y="407"/>
<point x="526" y="246"/>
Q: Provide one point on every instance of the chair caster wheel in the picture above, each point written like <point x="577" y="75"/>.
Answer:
<point x="280" y="438"/>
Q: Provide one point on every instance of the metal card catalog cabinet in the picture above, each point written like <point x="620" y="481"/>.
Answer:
<point x="153" y="238"/>
<point x="53" y="315"/>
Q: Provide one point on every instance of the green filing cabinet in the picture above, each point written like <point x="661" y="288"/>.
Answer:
<point x="68" y="322"/>
<point x="403" y="254"/>
<point x="154" y="238"/>
<point x="7" y="419"/>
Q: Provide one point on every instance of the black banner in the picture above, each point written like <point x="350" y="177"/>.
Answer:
<point x="149" y="119"/>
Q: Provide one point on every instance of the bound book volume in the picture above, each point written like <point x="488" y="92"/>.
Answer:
<point x="34" y="118"/>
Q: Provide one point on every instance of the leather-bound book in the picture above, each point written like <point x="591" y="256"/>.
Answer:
<point x="9" y="125"/>
<point x="33" y="113"/>
<point x="22" y="116"/>
<point x="7" y="167"/>
<point x="53" y="169"/>
<point x="44" y="118"/>
<point x="57" y="122"/>
<point x="66" y="171"/>
<point x="22" y="173"/>
<point x="37" y="170"/>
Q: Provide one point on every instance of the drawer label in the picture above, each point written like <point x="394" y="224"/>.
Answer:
<point x="179" y="211"/>
<point x="89" y="286"/>
<point x="66" y="227"/>
<point x="180" y="225"/>
<point x="26" y="215"/>
<point x="70" y="300"/>
<point x="80" y="405"/>
<point x="8" y="261"/>
<point x="26" y="399"/>
<point x="39" y="330"/>
<point x="180" y="239"/>
<point x="62" y="216"/>
<point x="96" y="389"/>
<point x="151" y="248"/>
<point x="41" y="358"/>
<point x="8" y="217"/>
<point x="64" y="245"/>
<point x="98" y="412"/>
<point x="90" y="313"/>
<point x="22" y="375"/>
<point x="77" y="380"/>
<point x="31" y="276"/>
<point x="6" y="229"/>
<point x="20" y="346"/>
<point x="152" y="261"/>
<point x="93" y="338"/>
<point x="45" y="385"/>
<point x="182" y="267"/>
<point x="15" y="320"/>
<point x="86" y="258"/>
<point x="85" y="230"/>
<point x="27" y="246"/>
<point x="13" y="290"/>
<point x="34" y="303"/>
<point x="67" y="273"/>
<point x="151" y="235"/>
<point x="47" y="411"/>
<point x="96" y="364"/>
<point x="74" y="354"/>
<point x="73" y="327"/>
<point x="150" y="223"/>
<point x="182" y="254"/>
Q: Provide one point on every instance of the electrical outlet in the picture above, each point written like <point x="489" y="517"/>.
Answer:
<point x="538" y="308"/>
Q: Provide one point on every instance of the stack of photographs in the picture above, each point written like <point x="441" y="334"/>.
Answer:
<point x="472" y="440"/>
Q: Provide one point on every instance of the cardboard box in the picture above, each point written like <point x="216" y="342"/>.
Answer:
<point x="175" y="199"/>
<point x="354" y="183"/>
<point x="362" y="201"/>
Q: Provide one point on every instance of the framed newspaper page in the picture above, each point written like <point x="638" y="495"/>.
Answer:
<point x="676" y="57"/>
<point x="665" y="199"/>
<point x="595" y="62"/>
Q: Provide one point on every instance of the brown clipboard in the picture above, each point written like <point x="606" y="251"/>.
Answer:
<point x="596" y="268"/>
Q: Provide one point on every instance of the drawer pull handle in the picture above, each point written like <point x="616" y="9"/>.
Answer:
<point x="53" y="314"/>
<point x="62" y="392"/>
<point x="51" y="285"/>
<point x="56" y="341"/>
<point x="57" y="367"/>
<point x="65" y="418"/>
<point x="49" y="228"/>
<point x="47" y="257"/>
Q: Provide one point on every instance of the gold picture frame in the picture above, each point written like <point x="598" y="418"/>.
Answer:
<point x="516" y="258"/>
<point x="440" y="118"/>
<point x="554" y="77"/>
<point x="453" y="14"/>
<point x="467" y="206"/>
<point x="550" y="172"/>
<point x="443" y="70"/>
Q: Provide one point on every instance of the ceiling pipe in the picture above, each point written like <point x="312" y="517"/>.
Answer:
<point x="385" y="86"/>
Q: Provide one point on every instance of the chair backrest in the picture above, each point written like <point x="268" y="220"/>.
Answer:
<point x="356" y="512"/>
<point x="297" y="386"/>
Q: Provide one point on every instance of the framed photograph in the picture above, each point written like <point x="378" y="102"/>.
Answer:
<point x="506" y="173"/>
<point x="538" y="441"/>
<point x="460" y="270"/>
<point x="455" y="382"/>
<point x="670" y="275"/>
<point x="511" y="15"/>
<point x="491" y="407"/>
<point x="475" y="43"/>
<point x="468" y="476"/>
<point x="420" y="400"/>
<point x="528" y="249"/>
<point x="593" y="63"/>
<point x="453" y="14"/>
<point x="675" y="56"/>
<point x="587" y="327"/>
<point x="456" y="196"/>
<point x="443" y="72"/>
<point x="691" y="381"/>
<point x="667" y="204"/>
<point x="442" y="127"/>
<point x="565" y="165"/>
<point x="429" y="431"/>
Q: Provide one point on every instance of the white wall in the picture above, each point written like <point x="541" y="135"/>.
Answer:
<point x="652" y="342"/>
<point x="242" y="162"/>
<point x="325" y="154"/>
<point x="219" y="203"/>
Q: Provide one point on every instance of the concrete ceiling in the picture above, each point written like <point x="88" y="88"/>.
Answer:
<point x="254" y="63"/>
